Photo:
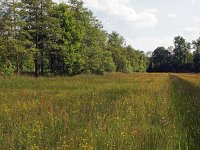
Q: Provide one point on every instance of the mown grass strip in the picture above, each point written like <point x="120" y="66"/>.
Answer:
<point x="185" y="97"/>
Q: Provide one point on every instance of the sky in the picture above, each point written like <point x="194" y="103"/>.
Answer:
<point x="147" y="24"/>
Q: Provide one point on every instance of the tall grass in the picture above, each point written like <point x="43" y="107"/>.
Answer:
<point x="115" y="111"/>
<point x="186" y="96"/>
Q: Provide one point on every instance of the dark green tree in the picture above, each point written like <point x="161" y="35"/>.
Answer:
<point x="196" y="56"/>
<point x="15" y="44"/>
<point x="136" y="58"/>
<point x="161" y="60"/>
<point x="181" y="55"/>
<point x="42" y="27"/>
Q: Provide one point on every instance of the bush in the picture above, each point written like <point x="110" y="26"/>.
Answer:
<point x="7" y="69"/>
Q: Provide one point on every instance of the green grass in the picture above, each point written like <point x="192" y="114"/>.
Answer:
<point x="186" y="102"/>
<point x="114" y="111"/>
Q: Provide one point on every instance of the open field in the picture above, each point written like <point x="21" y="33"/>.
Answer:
<point x="114" y="111"/>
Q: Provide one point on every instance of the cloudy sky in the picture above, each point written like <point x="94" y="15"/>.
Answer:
<point x="147" y="24"/>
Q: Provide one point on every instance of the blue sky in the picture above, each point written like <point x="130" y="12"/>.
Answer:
<point x="147" y="24"/>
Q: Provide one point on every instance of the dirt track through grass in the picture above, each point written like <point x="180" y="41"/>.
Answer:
<point x="115" y="111"/>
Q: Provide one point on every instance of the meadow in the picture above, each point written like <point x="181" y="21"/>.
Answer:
<point x="115" y="111"/>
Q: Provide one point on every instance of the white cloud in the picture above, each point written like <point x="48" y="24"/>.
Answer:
<point x="152" y="10"/>
<point x="172" y="16"/>
<point x="152" y="43"/>
<point x="193" y="2"/>
<point x="119" y="11"/>
<point x="58" y="1"/>
<point x="191" y="29"/>
<point x="190" y="32"/>
<point x="148" y="24"/>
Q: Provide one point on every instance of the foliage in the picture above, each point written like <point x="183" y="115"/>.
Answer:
<point x="162" y="60"/>
<point x="6" y="70"/>
<point x="45" y="37"/>
<point x="196" y="55"/>
<point x="181" y="54"/>
<point x="177" y="59"/>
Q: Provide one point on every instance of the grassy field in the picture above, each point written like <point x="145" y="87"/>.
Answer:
<point x="114" y="111"/>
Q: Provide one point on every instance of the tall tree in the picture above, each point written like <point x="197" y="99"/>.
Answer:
<point x="116" y="40"/>
<point x="196" y="55"/>
<point x="15" y="39"/>
<point x="42" y="27"/>
<point x="72" y="25"/>
<point x="161" y="60"/>
<point x="97" y="58"/>
<point x="65" y="38"/>
<point x="116" y="45"/>
<point x="182" y="57"/>
<point x="136" y="58"/>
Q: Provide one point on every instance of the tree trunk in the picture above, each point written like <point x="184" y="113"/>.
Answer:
<point x="18" y="72"/>
<point x="36" y="67"/>
<point x="18" y="69"/>
<point x="42" y="45"/>
<point x="42" y="63"/>
<point x="63" y="67"/>
<point x="51" y="64"/>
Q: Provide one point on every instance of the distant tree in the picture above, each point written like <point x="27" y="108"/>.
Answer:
<point x="149" y="54"/>
<point x="116" y="40"/>
<point x="142" y="61"/>
<point x="161" y="60"/>
<point x="181" y="55"/>
<point x="170" y="49"/>
<point x="126" y="58"/>
<point x="97" y="58"/>
<point x="196" y="56"/>
<point x="136" y="58"/>
<point x="107" y="62"/>
<point x="115" y="46"/>
<point x="149" y="64"/>
<point x="84" y="40"/>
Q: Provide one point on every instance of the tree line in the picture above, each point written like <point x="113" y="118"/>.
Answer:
<point x="183" y="57"/>
<point x="43" y="37"/>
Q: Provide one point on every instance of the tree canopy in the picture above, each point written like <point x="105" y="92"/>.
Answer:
<point x="43" y="37"/>
<point x="60" y="38"/>
<point x="176" y="59"/>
